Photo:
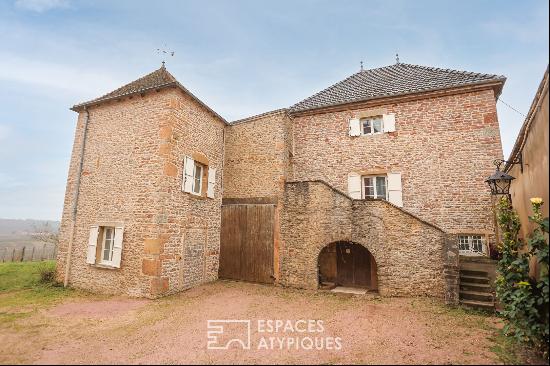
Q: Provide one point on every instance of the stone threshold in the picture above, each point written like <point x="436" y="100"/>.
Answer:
<point x="349" y="290"/>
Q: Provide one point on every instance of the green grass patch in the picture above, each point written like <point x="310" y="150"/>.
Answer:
<point x="27" y="286"/>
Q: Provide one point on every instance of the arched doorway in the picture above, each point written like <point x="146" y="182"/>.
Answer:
<point x="347" y="264"/>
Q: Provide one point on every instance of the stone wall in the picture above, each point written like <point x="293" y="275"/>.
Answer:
<point x="190" y="224"/>
<point x="413" y="257"/>
<point x="444" y="148"/>
<point x="257" y="156"/>
<point x="132" y="176"/>
<point x="257" y="164"/>
<point x="314" y="215"/>
<point x="121" y="170"/>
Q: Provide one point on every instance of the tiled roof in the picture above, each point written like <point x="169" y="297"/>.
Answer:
<point x="258" y="116"/>
<point x="157" y="78"/>
<point x="393" y="80"/>
<point x="160" y="78"/>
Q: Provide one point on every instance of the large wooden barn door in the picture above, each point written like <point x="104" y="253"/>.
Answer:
<point x="246" y="242"/>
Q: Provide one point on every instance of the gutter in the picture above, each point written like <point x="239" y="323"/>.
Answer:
<point x="75" y="200"/>
<point x="496" y="84"/>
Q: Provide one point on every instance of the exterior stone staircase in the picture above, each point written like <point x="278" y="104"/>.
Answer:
<point x="475" y="290"/>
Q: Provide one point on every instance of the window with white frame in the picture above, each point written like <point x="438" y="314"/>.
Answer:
<point x="471" y="245"/>
<point x="194" y="174"/>
<point x="375" y="186"/>
<point x="372" y="125"/>
<point x="197" y="179"/>
<point x="107" y="245"/>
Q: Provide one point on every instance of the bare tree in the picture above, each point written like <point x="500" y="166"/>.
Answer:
<point x="47" y="235"/>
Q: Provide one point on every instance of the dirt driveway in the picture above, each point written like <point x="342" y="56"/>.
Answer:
<point x="174" y="330"/>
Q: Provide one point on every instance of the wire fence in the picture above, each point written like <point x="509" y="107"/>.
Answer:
<point x="28" y="253"/>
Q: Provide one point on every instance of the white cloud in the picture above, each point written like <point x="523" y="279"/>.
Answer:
<point x="69" y="78"/>
<point x="40" y="6"/>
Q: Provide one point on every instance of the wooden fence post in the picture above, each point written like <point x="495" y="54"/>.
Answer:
<point x="32" y="255"/>
<point x="13" y="255"/>
<point x="23" y="254"/>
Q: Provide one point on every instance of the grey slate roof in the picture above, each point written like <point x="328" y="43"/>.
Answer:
<point x="393" y="80"/>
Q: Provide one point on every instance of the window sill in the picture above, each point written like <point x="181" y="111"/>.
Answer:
<point x="471" y="254"/>
<point x="199" y="196"/>
<point x="371" y="134"/>
<point x="104" y="266"/>
<point x="196" y="196"/>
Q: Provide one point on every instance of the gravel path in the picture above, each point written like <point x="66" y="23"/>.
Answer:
<point x="347" y="329"/>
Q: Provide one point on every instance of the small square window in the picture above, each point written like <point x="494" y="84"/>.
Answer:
<point x="372" y="125"/>
<point x="471" y="244"/>
<point x="375" y="187"/>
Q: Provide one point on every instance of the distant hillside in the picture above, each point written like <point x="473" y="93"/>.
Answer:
<point x="12" y="227"/>
<point x="17" y="240"/>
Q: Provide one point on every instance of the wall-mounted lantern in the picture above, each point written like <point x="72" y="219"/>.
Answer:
<point x="500" y="182"/>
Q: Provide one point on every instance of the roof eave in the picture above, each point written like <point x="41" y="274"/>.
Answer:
<point x="524" y="131"/>
<point x="260" y="116"/>
<point x="497" y="83"/>
<point x="82" y="106"/>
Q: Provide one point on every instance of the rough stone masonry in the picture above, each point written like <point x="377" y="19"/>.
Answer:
<point x="439" y="137"/>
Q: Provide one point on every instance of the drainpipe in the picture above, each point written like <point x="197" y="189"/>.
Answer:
<point x="223" y="158"/>
<point x="75" y="200"/>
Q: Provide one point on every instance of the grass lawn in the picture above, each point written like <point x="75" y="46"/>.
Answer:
<point x="41" y="322"/>
<point x="22" y="292"/>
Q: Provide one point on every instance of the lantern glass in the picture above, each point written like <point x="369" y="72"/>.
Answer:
<point x="500" y="183"/>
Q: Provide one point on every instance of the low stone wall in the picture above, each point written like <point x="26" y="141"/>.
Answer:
<point x="413" y="257"/>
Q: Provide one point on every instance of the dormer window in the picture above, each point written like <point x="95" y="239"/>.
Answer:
<point x="372" y="125"/>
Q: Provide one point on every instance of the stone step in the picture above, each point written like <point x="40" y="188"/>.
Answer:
<point x="468" y="272"/>
<point x="474" y="279"/>
<point x="480" y="287"/>
<point x="482" y="305"/>
<point x="327" y="286"/>
<point x="476" y="296"/>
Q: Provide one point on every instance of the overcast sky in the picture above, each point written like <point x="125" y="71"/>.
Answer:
<point x="240" y="57"/>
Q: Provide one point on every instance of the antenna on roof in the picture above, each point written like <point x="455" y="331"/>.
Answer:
<point x="164" y="52"/>
<point x="397" y="58"/>
<point x="361" y="65"/>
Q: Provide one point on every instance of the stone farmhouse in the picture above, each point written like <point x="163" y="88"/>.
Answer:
<point x="376" y="182"/>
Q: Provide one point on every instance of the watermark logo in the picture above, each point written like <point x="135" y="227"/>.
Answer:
<point x="277" y="334"/>
<point x="223" y="334"/>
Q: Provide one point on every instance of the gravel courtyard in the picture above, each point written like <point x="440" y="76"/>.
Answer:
<point x="99" y="329"/>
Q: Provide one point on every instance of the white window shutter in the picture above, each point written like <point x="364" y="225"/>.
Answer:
<point x="188" y="174"/>
<point x="117" y="246"/>
<point x="395" y="191"/>
<point x="92" y="245"/>
<point x="354" y="185"/>
<point x="389" y="122"/>
<point x="354" y="127"/>
<point x="211" y="182"/>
